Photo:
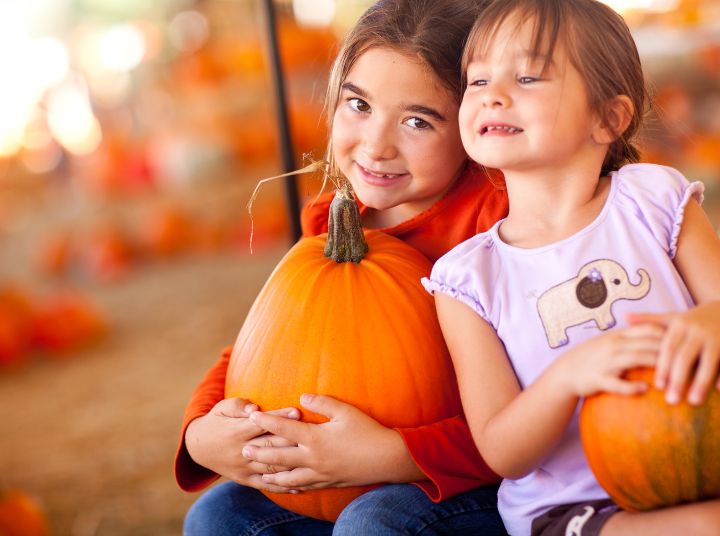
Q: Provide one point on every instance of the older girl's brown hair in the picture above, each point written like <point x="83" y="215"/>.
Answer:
<point x="599" y="45"/>
<point x="434" y="31"/>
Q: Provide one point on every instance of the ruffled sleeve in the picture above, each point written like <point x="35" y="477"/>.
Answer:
<point x="457" y="273"/>
<point x="659" y="194"/>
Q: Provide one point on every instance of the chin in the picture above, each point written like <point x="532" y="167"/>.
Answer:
<point x="489" y="160"/>
<point x="374" y="202"/>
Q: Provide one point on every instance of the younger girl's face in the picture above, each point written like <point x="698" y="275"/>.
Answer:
<point x="517" y="116"/>
<point x="395" y="135"/>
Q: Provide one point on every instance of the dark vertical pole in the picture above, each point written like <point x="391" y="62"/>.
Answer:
<point x="283" y="122"/>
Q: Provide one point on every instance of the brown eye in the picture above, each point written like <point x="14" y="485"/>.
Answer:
<point x="359" y="105"/>
<point x="416" y="122"/>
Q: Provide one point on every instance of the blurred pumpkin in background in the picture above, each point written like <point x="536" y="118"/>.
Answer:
<point x="55" y="253"/>
<point x="65" y="321"/>
<point x="16" y="324"/>
<point x="21" y="515"/>
<point x="107" y="253"/>
<point x="167" y="231"/>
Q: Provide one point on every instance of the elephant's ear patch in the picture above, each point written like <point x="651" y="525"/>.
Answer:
<point x="591" y="291"/>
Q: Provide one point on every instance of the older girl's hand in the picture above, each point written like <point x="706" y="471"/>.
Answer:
<point x="690" y="351"/>
<point x="351" y="449"/>
<point x="216" y="441"/>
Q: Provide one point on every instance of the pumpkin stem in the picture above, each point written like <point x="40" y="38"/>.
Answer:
<point x="345" y="240"/>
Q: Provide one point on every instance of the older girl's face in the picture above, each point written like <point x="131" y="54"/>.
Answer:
<point x="395" y="135"/>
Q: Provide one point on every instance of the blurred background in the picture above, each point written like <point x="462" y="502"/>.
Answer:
<point x="132" y="135"/>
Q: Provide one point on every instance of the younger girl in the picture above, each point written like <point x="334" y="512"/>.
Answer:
<point x="554" y="95"/>
<point x="394" y="92"/>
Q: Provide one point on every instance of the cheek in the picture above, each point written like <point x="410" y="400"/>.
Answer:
<point x="466" y="121"/>
<point x="448" y="154"/>
<point x="342" y="137"/>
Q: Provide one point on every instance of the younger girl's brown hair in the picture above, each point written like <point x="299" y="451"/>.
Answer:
<point x="599" y="45"/>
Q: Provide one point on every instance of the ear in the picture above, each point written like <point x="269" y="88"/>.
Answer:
<point x="619" y="112"/>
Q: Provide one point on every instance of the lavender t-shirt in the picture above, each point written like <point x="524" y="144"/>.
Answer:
<point x="543" y="301"/>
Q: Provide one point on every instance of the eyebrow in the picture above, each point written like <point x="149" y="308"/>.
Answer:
<point x="414" y="108"/>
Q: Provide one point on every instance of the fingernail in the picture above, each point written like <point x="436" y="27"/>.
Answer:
<point x="694" y="399"/>
<point x="254" y="416"/>
<point x="294" y="491"/>
<point x="293" y="414"/>
<point x="250" y="408"/>
<point x="267" y="478"/>
<point x="672" y="398"/>
<point x="306" y="399"/>
<point x="247" y="452"/>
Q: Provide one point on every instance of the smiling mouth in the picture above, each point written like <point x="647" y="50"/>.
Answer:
<point x="506" y="129"/>
<point x="380" y="174"/>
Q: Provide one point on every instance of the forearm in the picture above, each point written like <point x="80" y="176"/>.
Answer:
<point x="397" y="465"/>
<point x="518" y="437"/>
<point x="189" y="473"/>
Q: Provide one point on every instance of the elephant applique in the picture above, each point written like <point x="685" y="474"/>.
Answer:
<point x="589" y="296"/>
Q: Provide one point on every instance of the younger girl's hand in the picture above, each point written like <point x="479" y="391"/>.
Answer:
<point x="599" y="363"/>
<point x="216" y="440"/>
<point x="351" y="449"/>
<point x="691" y="343"/>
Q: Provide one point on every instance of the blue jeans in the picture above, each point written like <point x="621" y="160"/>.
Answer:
<point x="229" y="509"/>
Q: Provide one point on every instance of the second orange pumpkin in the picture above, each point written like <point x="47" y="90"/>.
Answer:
<point x="648" y="454"/>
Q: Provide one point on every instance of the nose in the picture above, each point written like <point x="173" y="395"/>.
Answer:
<point x="495" y="96"/>
<point x="378" y="140"/>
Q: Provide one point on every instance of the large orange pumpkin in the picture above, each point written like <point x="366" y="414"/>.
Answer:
<point x="648" y="454"/>
<point x="364" y="332"/>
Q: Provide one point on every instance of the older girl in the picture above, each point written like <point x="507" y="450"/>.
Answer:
<point x="394" y="95"/>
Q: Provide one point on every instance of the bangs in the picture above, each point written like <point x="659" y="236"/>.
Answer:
<point x="543" y="15"/>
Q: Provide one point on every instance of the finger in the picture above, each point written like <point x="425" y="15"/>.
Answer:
<point x="269" y="440"/>
<point x="624" y="387"/>
<point x="685" y="358"/>
<point x="257" y="482"/>
<point x="276" y="456"/>
<point x="300" y="478"/>
<point x="288" y="413"/>
<point x="649" y="318"/>
<point x="672" y="340"/>
<point x="325" y="405"/>
<point x="644" y="346"/>
<point x="262" y="468"/>
<point x="629" y="359"/>
<point x="234" y="408"/>
<point x="644" y="331"/>
<point x="295" y="431"/>
<point x="706" y="373"/>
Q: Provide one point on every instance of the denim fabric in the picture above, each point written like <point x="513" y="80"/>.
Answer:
<point x="229" y="509"/>
<point x="405" y="509"/>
